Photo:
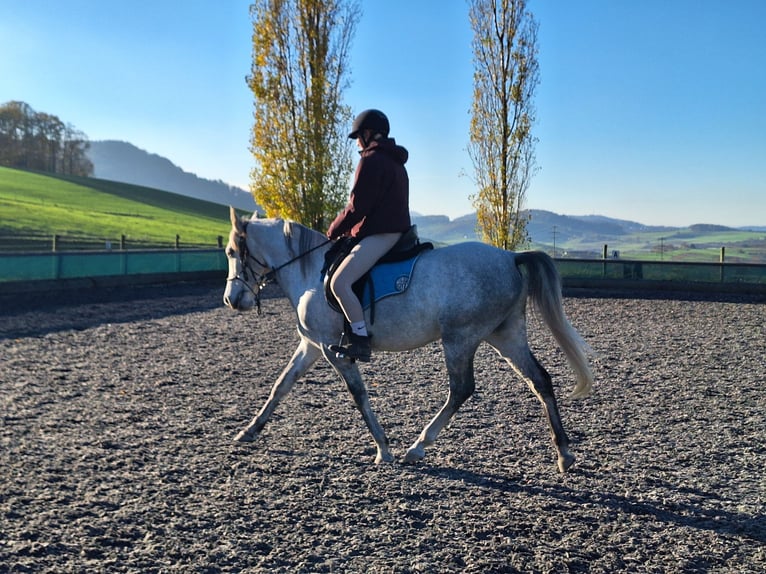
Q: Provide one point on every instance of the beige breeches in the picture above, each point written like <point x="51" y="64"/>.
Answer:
<point x="361" y="259"/>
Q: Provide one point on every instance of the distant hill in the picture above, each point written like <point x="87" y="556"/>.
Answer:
<point x="541" y="228"/>
<point x="441" y="228"/>
<point x="124" y="162"/>
<point x="564" y="235"/>
<point x="586" y="236"/>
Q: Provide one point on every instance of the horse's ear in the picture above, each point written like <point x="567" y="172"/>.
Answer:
<point x="236" y="224"/>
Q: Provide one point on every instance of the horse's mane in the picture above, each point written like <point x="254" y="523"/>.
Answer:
<point x="305" y="238"/>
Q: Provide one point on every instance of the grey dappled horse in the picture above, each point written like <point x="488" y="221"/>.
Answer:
<point x="462" y="294"/>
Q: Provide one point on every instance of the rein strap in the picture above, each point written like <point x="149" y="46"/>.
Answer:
<point x="271" y="275"/>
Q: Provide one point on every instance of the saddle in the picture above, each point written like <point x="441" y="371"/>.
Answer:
<point x="389" y="276"/>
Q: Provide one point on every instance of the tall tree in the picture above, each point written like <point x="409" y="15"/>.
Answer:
<point x="49" y="131"/>
<point x="501" y="141"/>
<point x="41" y="141"/>
<point x="15" y="133"/>
<point x="74" y="157"/>
<point x="299" y="73"/>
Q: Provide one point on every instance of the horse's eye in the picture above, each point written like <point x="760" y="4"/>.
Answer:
<point x="230" y="252"/>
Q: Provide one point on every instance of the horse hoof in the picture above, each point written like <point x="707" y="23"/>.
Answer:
<point x="387" y="457"/>
<point x="414" y="454"/>
<point x="245" y="436"/>
<point x="565" y="462"/>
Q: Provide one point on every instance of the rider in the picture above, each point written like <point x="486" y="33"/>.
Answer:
<point x="376" y="215"/>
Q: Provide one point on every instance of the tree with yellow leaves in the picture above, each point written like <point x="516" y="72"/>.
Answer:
<point x="501" y="141"/>
<point x="299" y="73"/>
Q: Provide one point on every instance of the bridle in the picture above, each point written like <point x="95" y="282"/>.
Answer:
<point x="260" y="280"/>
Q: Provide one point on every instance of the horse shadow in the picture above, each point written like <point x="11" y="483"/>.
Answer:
<point x="680" y="513"/>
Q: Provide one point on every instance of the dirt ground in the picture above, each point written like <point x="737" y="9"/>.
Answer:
<point x="119" y="409"/>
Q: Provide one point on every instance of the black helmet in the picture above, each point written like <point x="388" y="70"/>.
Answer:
<point x="373" y="120"/>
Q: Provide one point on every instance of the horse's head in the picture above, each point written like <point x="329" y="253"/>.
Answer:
<point x="248" y="269"/>
<point x="259" y="249"/>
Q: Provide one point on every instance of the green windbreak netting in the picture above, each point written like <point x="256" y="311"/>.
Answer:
<point x="77" y="264"/>
<point x="68" y="265"/>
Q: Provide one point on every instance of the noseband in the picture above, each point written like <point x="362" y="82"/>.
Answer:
<point x="259" y="280"/>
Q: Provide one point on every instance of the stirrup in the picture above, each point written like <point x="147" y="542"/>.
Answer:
<point x="358" y="349"/>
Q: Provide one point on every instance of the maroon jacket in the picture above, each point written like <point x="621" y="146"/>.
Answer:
<point x="379" y="201"/>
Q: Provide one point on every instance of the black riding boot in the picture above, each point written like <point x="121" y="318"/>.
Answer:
<point x="359" y="348"/>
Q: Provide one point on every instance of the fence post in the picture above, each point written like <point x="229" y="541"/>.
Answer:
<point x="56" y="258"/>
<point x="57" y="266"/>
<point x="220" y="242"/>
<point x="178" y="241"/>
<point x="122" y="242"/>
<point x="603" y="256"/>
<point x="721" y="261"/>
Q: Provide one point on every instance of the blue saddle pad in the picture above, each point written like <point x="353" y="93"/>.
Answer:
<point x="388" y="279"/>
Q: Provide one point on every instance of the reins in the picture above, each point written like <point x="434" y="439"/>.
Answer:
<point x="271" y="275"/>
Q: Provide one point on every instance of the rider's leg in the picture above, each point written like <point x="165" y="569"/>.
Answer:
<point x="361" y="259"/>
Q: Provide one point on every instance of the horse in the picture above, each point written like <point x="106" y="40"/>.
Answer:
<point x="463" y="294"/>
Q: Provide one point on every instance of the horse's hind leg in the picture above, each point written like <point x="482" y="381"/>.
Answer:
<point x="526" y="365"/>
<point x="541" y="385"/>
<point x="461" y="387"/>
<point x="303" y="357"/>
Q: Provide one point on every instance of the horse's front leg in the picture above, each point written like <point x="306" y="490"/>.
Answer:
<point x="303" y="358"/>
<point x="349" y="372"/>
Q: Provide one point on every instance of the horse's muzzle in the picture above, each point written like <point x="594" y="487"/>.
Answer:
<point x="241" y="301"/>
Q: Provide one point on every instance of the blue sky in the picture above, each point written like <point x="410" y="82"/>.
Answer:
<point x="649" y="110"/>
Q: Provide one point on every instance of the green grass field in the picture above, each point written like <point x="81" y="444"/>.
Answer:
<point x="87" y="212"/>
<point x="740" y="246"/>
<point x="682" y="245"/>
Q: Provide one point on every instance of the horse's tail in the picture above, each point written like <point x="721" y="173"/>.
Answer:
<point x="544" y="289"/>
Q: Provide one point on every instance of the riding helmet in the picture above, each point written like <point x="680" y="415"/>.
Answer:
<point x="374" y="120"/>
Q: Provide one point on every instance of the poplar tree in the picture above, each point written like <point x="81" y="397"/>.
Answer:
<point x="300" y="69"/>
<point x="501" y="142"/>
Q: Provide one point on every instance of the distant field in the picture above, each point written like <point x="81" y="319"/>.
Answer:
<point x="87" y="212"/>
<point x="681" y="245"/>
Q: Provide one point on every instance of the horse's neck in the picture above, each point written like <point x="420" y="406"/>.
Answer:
<point x="305" y="272"/>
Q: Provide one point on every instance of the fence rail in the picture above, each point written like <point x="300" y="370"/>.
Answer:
<point x="683" y="271"/>
<point x="621" y="274"/>
<point x="45" y="243"/>
<point x="589" y="273"/>
<point x="79" y="264"/>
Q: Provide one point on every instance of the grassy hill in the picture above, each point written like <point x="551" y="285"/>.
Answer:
<point x="122" y="161"/>
<point x="87" y="212"/>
